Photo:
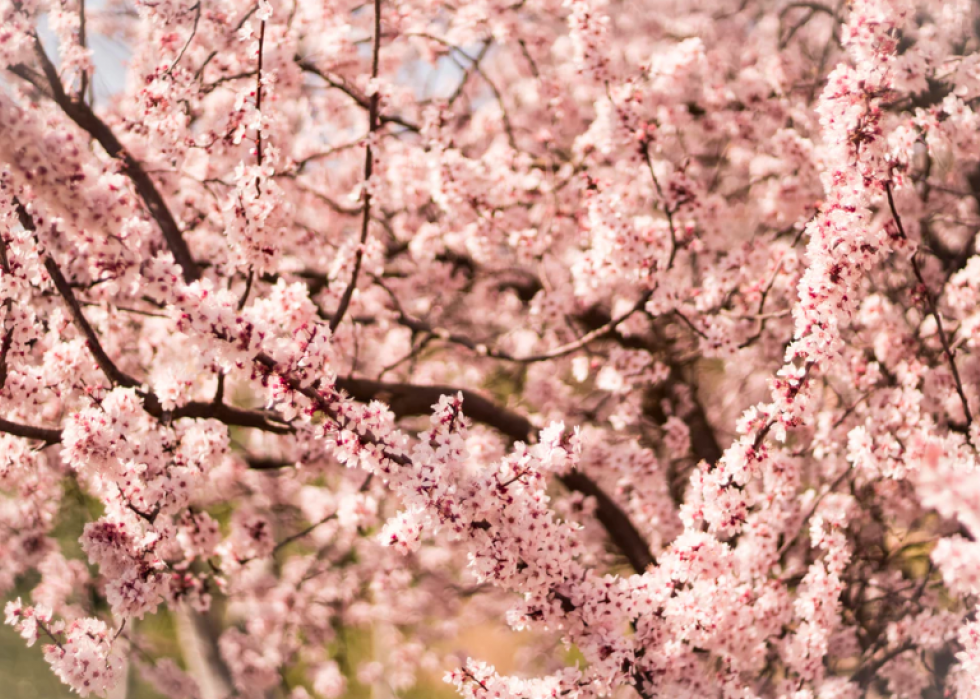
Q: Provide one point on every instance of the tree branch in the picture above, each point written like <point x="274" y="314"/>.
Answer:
<point x="352" y="92"/>
<point x="112" y="372"/>
<point x="46" y="435"/>
<point x="866" y="675"/>
<point x="83" y="116"/>
<point x="409" y="399"/>
<point x="368" y="171"/>
<point x="605" y="329"/>
<point x="933" y="311"/>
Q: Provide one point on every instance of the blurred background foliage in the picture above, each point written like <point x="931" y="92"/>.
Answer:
<point x="24" y="674"/>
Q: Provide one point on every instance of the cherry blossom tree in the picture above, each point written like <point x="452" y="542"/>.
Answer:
<point x="648" y="329"/>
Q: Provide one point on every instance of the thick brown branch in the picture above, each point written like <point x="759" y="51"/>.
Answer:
<point x="235" y="417"/>
<point x="411" y="399"/>
<point x="407" y="399"/>
<point x="44" y="434"/>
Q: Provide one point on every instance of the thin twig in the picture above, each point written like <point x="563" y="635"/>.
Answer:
<point x="368" y="171"/>
<point x="474" y="63"/>
<point x="468" y="73"/>
<point x="933" y="310"/>
<point x="362" y="100"/>
<point x="258" y="106"/>
<point x="8" y="305"/>
<point x="483" y="350"/>
<point x="300" y="534"/>
<point x="197" y="18"/>
<point x="813" y="508"/>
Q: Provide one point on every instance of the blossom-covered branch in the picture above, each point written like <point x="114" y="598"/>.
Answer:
<point x="647" y="333"/>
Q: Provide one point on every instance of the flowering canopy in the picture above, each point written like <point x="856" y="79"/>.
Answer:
<point x="646" y="328"/>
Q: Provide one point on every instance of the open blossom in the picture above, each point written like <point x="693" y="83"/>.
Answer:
<point x="968" y="675"/>
<point x="81" y="654"/>
<point x="26" y="619"/>
<point x="86" y="660"/>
